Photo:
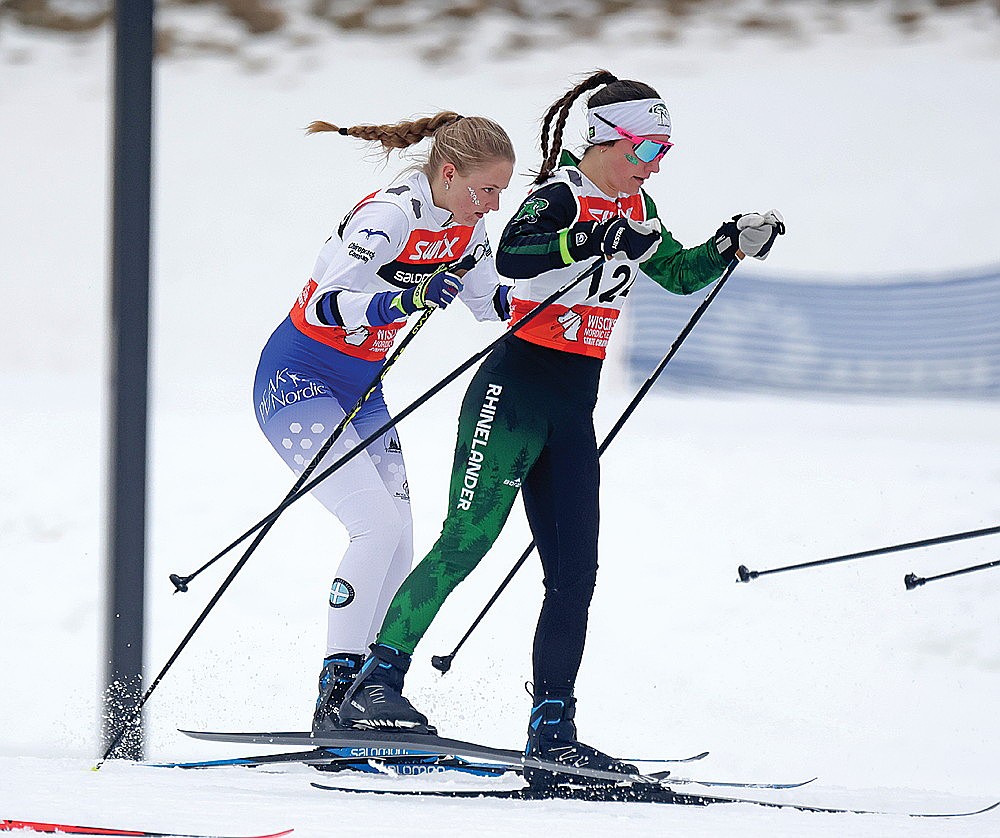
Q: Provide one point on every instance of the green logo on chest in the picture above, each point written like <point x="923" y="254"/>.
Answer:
<point x="530" y="209"/>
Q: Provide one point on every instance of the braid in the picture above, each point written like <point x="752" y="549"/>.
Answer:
<point x="398" y="136"/>
<point x="550" y="155"/>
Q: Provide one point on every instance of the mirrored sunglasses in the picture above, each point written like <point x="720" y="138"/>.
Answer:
<point x="645" y="149"/>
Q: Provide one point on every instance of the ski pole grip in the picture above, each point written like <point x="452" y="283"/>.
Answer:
<point x="911" y="580"/>
<point x="746" y="574"/>
<point x="180" y="583"/>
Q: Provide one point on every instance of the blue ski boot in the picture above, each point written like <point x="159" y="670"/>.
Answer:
<point x="552" y="736"/>
<point x="375" y="699"/>
<point x="339" y="672"/>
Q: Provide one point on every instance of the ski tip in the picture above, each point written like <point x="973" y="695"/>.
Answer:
<point x="67" y="829"/>
<point x="989" y="808"/>
<point x="694" y="758"/>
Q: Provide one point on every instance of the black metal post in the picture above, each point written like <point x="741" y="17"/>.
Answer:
<point x="128" y="372"/>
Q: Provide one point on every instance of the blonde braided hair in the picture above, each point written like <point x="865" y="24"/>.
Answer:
<point x="465" y="141"/>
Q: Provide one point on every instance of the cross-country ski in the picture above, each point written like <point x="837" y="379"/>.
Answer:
<point x="70" y="829"/>
<point x="637" y="793"/>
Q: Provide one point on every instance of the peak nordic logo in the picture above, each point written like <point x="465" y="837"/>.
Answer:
<point x="661" y="113"/>
<point x="369" y="233"/>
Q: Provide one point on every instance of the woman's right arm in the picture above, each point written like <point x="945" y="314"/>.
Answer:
<point x="535" y="239"/>
<point x="373" y="236"/>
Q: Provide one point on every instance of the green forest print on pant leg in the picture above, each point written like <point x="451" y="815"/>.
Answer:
<point x="499" y="438"/>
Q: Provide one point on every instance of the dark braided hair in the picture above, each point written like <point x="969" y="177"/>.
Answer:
<point x="615" y="90"/>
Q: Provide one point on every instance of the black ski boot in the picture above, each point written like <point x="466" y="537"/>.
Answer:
<point x="339" y="672"/>
<point x="375" y="699"/>
<point x="552" y="736"/>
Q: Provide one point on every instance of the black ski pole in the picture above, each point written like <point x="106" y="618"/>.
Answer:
<point x="443" y="662"/>
<point x="181" y="583"/>
<point x="745" y="574"/>
<point x="265" y="524"/>
<point x="463" y="267"/>
<point x="911" y="580"/>
<point x="304" y="489"/>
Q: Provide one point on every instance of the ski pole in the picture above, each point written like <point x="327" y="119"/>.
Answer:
<point x="266" y="522"/>
<point x="463" y="267"/>
<point x="911" y="580"/>
<point x="293" y="496"/>
<point x="181" y="583"/>
<point x="443" y="662"/>
<point x="745" y="574"/>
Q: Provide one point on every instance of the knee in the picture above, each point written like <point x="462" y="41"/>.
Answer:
<point x="374" y="516"/>
<point x="576" y="586"/>
<point x="457" y="555"/>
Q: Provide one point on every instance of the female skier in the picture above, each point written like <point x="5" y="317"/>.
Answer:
<point x="395" y="253"/>
<point x="527" y="418"/>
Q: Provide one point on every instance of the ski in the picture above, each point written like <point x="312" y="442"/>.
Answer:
<point x="339" y="759"/>
<point x="413" y="763"/>
<point x="667" y="777"/>
<point x="69" y="829"/>
<point x="637" y="793"/>
<point x="377" y="744"/>
<point x="382" y="743"/>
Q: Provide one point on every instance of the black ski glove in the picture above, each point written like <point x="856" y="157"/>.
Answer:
<point x="620" y="238"/>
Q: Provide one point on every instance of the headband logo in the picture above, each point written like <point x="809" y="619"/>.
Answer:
<point x="659" y="110"/>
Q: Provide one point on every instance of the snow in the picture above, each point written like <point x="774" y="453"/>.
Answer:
<point x="880" y="153"/>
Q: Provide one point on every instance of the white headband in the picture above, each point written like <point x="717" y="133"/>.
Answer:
<point x="642" y="117"/>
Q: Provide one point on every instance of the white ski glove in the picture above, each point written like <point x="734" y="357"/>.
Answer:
<point x="751" y="234"/>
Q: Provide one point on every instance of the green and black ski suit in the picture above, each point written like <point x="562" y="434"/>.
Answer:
<point x="527" y="420"/>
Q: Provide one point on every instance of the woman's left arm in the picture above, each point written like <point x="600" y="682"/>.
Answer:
<point x="679" y="269"/>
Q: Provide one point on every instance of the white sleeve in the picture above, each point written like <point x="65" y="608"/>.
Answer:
<point x="481" y="283"/>
<point x="374" y="235"/>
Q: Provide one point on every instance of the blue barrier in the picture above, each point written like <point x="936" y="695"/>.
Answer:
<point x="913" y="337"/>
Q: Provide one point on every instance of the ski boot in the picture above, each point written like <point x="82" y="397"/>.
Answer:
<point x="339" y="672"/>
<point x="552" y="736"/>
<point x="375" y="699"/>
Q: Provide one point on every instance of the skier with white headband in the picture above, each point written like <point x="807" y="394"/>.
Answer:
<point x="527" y="419"/>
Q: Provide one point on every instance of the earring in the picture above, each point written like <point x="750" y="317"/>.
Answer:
<point x="447" y="185"/>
